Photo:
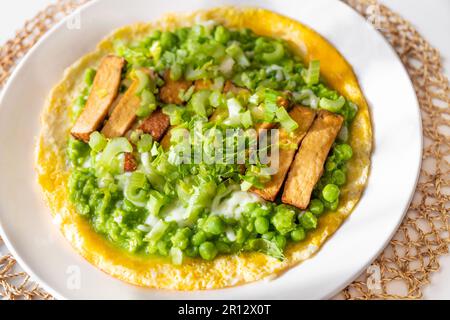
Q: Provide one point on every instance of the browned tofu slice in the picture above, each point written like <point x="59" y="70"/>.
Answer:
<point x="304" y="117"/>
<point x="124" y="114"/>
<point x="156" y="124"/>
<point x="130" y="164"/>
<point x="231" y="87"/>
<point x="104" y="91"/>
<point x="170" y="92"/>
<point x="203" y="84"/>
<point x="307" y="167"/>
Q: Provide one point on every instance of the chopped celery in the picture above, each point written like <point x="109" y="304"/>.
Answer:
<point x="200" y="103"/>
<point x="143" y="79"/>
<point x="136" y="190"/>
<point x="285" y="120"/>
<point x="157" y="231"/>
<point x="312" y="75"/>
<point x="145" y="143"/>
<point x="155" y="202"/>
<point x="175" y="113"/>
<point x="330" y="105"/>
<point x="97" y="141"/>
<point x="114" y="148"/>
<point x="246" y="119"/>
<point x="276" y="55"/>
<point x="237" y="54"/>
<point x="177" y="256"/>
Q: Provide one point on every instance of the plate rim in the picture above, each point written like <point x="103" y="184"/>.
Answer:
<point x="345" y="282"/>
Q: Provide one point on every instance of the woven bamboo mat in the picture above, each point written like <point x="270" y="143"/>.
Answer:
<point x="413" y="253"/>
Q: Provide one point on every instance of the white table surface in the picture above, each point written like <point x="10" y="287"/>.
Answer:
<point x="430" y="17"/>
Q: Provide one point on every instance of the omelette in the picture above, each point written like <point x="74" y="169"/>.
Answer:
<point x="112" y="162"/>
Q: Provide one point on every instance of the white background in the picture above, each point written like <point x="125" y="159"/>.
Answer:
<point x="430" y="17"/>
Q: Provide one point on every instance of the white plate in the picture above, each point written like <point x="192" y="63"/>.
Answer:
<point x="41" y="250"/>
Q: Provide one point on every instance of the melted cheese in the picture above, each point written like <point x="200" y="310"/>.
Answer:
<point x="235" y="205"/>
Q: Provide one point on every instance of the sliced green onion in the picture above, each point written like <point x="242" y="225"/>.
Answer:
<point x="97" y="141"/>
<point x="285" y="120"/>
<point x="332" y="105"/>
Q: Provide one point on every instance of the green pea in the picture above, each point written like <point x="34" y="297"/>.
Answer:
<point x="191" y="251"/>
<point x="261" y="225"/>
<point x="330" y="165"/>
<point x="181" y="238"/>
<point x="260" y="212"/>
<point x="331" y="192"/>
<point x="332" y="205"/>
<point x="250" y="227"/>
<point x="214" y="225"/>
<point x="223" y="247"/>
<point x="280" y="241"/>
<point x="241" y="235"/>
<point x="222" y="35"/>
<point x="344" y="151"/>
<point x="308" y="220"/>
<point x="163" y="248"/>
<point x="268" y="235"/>
<point x="283" y="220"/>
<point x="316" y="206"/>
<point x="199" y="238"/>
<point x="338" y="177"/>
<point x="208" y="250"/>
<point x="298" y="234"/>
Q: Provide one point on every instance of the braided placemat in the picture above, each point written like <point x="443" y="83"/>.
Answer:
<point x="413" y="253"/>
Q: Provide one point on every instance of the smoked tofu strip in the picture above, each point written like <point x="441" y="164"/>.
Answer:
<point x="156" y="124"/>
<point x="307" y="167"/>
<point x="104" y="91"/>
<point x="124" y="114"/>
<point x="304" y="117"/>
